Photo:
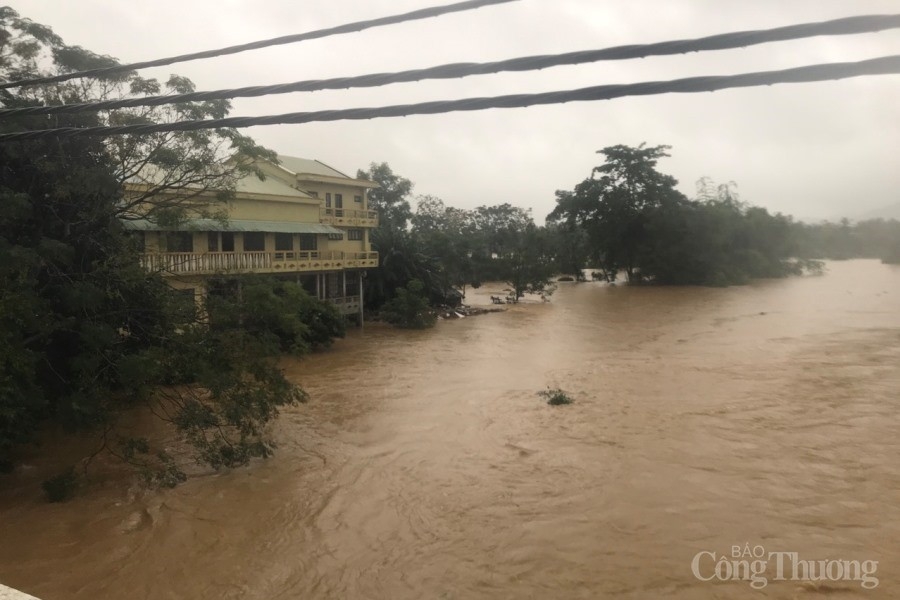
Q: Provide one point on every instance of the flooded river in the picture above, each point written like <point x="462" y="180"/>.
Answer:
<point x="425" y="465"/>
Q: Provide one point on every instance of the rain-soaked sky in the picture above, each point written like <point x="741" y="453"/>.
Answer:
<point x="815" y="150"/>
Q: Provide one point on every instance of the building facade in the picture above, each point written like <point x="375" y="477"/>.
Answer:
<point x="306" y="221"/>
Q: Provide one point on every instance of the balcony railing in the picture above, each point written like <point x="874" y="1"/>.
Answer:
<point x="349" y="217"/>
<point x="348" y="305"/>
<point x="208" y="263"/>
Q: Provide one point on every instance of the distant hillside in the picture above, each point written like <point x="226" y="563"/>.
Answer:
<point x="886" y="213"/>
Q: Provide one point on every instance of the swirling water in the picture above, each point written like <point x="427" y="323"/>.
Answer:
<point x="425" y="465"/>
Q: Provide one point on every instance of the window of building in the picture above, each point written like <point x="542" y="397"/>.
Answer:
<point x="254" y="241"/>
<point x="179" y="241"/>
<point x="308" y="241"/>
<point x="284" y="241"/>
<point x="327" y="200"/>
<point x="213" y="241"/>
<point x="227" y="241"/>
<point x="355" y="234"/>
<point x="357" y="199"/>
<point x="339" y="201"/>
<point x="335" y="236"/>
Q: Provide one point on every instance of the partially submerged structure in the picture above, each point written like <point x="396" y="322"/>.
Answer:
<point x="305" y="221"/>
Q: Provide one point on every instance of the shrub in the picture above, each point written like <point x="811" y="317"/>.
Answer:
<point x="410" y="309"/>
<point x="61" y="487"/>
<point x="556" y="396"/>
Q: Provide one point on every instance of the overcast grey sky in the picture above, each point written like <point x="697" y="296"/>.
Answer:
<point x="815" y="150"/>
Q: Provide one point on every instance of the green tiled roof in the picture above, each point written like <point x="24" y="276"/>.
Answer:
<point x="234" y="225"/>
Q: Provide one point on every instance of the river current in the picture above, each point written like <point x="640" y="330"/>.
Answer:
<point x="765" y="417"/>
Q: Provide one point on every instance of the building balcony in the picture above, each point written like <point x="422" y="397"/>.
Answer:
<point x="211" y="263"/>
<point x="349" y="217"/>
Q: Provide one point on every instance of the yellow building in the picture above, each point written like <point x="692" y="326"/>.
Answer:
<point x="306" y="221"/>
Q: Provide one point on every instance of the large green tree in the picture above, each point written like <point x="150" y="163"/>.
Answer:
<point x="612" y="204"/>
<point x="636" y="222"/>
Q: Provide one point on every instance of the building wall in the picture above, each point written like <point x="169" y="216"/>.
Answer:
<point x="347" y="192"/>
<point x="290" y="210"/>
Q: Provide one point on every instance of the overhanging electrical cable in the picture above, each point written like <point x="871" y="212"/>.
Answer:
<point x="845" y="26"/>
<point x="423" y="13"/>
<point x="877" y="66"/>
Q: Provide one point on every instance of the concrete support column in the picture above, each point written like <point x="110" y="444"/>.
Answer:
<point x="360" y="277"/>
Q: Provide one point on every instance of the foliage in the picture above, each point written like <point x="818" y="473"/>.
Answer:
<point x="266" y="307"/>
<point x="612" y="205"/>
<point x="636" y="222"/>
<point x="409" y="309"/>
<point x="170" y="176"/>
<point x="390" y="198"/>
<point x="61" y="487"/>
<point x="874" y="238"/>
<point x="527" y="266"/>
<point x="556" y="396"/>
<point x="85" y="331"/>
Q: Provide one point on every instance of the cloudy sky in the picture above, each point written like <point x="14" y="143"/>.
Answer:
<point x="815" y="150"/>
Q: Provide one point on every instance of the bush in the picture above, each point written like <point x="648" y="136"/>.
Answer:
<point x="556" y="396"/>
<point x="279" y="311"/>
<point x="410" y="309"/>
<point x="61" y="487"/>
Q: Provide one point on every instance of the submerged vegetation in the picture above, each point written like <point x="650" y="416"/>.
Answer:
<point x="637" y="223"/>
<point x="409" y="309"/>
<point x="556" y="396"/>
<point x="627" y="219"/>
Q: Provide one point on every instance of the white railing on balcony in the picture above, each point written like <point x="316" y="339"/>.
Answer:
<point x="346" y="304"/>
<point x="220" y="262"/>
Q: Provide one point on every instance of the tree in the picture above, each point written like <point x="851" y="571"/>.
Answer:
<point x="86" y="332"/>
<point x="445" y="234"/>
<point x="636" y="221"/>
<point x="390" y="198"/>
<point x="170" y="176"/>
<point x="410" y="309"/>
<point x="612" y="203"/>
<point x="528" y="264"/>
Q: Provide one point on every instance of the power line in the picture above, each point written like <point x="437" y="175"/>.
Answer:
<point x="423" y="13"/>
<point x="845" y="26"/>
<point x="877" y="66"/>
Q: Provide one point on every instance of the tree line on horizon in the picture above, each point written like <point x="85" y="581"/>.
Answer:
<point x="625" y="220"/>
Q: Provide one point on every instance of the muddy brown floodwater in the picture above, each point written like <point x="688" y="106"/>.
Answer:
<point x="425" y="465"/>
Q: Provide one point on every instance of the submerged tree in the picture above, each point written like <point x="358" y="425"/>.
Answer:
<point x="637" y="222"/>
<point x="410" y="308"/>
<point x="611" y="205"/>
